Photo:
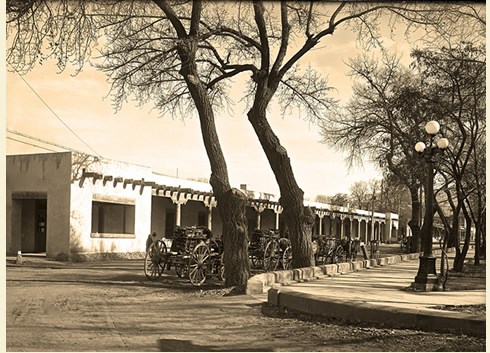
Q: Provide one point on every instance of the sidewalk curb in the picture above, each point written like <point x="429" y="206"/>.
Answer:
<point x="358" y="311"/>
<point x="260" y="283"/>
<point x="427" y="319"/>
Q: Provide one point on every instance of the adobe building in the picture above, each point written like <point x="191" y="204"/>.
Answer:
<point x="70" y="203"/>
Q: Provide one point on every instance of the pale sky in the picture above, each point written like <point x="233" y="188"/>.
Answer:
<point x="137" y="135"/>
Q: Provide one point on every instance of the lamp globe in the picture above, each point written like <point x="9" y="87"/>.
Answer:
<point x="443" y="143"/>
<point x="420" y="147"/>
<point x="432" y="127"/>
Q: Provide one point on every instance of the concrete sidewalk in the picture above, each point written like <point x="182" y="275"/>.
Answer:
<point x="379" y="295"/>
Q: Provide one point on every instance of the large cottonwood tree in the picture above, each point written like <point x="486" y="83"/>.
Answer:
<point x="150" y="52"/>
<point x="269" y="40"/>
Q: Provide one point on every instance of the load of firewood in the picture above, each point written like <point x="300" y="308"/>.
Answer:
<point x="183" y="235"/>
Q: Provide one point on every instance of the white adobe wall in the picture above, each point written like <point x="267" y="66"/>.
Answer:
<point x="82" y="240"/>
<point x="45" y="174"/>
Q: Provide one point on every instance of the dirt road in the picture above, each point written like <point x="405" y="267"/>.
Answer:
<point x="111" y="306"/>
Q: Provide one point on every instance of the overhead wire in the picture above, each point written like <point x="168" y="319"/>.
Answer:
<point x="31" y="144"/>
<point x="56" y="115"/>
<point x="42" y="141"/>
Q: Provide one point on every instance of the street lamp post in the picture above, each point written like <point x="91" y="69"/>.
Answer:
<point x="426" y="278"/>
<point x="374" y="240"/>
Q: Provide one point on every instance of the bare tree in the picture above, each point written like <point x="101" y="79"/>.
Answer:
<point x="388" y="112"/>
<point x="321" y="198"/>
<point x="383" y="121"/>
<point x="458" y="93"/>
<point x="150" y="52"/>
<point x="340" y="199"/>
<point x="268" y="42"/>
<point x="359" y="194"/>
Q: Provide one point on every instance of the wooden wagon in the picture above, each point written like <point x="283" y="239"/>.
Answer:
<point x="331" y="250"/>
<point x="268" y="251"/>
<point x="193" y="254"/>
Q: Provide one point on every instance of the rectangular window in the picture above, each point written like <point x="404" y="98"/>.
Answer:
<point x="112" y="220"/>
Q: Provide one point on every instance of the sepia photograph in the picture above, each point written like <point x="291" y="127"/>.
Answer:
<point x="197" y="176"/>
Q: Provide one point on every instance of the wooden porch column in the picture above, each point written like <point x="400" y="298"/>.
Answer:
<point x="320" y="224"/>
<point x="278" y="213"/>
<point x="210" y="217"/>
<point x="259" y="209"/>
<point x="178" y="214"/>
<point x="341" y="227"/>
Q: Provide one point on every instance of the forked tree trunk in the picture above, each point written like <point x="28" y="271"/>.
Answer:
<point x="230" y="202"/>
<point x="298" y="218"/>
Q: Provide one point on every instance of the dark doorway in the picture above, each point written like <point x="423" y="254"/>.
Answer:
<point x="41" y="226"/>
<point x="169" y="223"/>
<point x="202" y="219"/>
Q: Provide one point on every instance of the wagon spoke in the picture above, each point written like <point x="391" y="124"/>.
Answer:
<point x="155" y="260"/>
<point x="287" y="258"/>
<point x="271" y="258"/>
<point x="198" y="264"/>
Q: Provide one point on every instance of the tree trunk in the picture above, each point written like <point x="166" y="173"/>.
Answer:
<point x="299" y="219"/>
<point x="414" y="223"/>
<point x="454" y="237"/>
<point x="479" y="234"/>
<point x="230" y="202"/>
<point x="483" y="236"/>
<point x="477" y="243"/>
<point x="232" y="209"/>
<point x="459" y="260"/>
<point x="300" y="226"/>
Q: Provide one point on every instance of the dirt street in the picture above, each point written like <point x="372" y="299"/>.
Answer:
<point x="111" y="306"/>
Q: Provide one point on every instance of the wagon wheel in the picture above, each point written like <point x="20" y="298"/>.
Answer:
<point x="199" y="264"/>
<point x="271" y="255"/>
<point x="155" y="260"/>
<point x="257" y="261"/>
<point x="338" y="255"/>
<point x="287" y="257"/>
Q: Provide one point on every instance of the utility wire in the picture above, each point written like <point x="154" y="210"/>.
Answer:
<point x="43" y="141"/>
<point x="31" y="144"/>
<point x="56" y="115"/>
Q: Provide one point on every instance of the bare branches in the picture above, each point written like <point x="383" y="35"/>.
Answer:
<point x="41" y="33"/>
<point x="308" y="92"/>
<point x="285" y="28"/>
<point x="381" y="121"/>
<point x="264" y="39"/>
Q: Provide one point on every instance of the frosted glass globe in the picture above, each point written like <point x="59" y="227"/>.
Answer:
<point x="432" y="127"/>
<point x="443" y="143"/>
<point x="420" y="147"/>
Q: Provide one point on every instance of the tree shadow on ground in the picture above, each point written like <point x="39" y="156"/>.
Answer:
<point x="173" y="345"/>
